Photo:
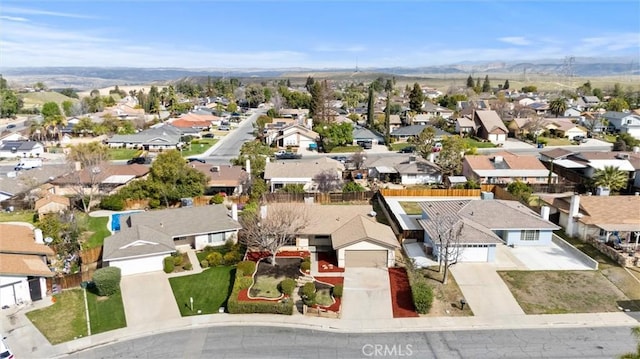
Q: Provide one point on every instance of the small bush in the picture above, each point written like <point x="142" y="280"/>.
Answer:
<point x="287" y="286"/>
<point x="309" y="293"/>
<point x="204" y="263"/>
<point x="217" y="199"/>
<point x="106" y="281"/>
<point x="305" y="266"/>
<point x="169" y="265"/>
<point x="187" y="266"/>
<point x="337" y="290"/>
<point x="214" y="259"/>
<point x="177" y="260"/>
<point x="246" y="267"/>
<point x="422" y="296"/>
<point x="232" y="258"/>
<point x="113" y="203"/>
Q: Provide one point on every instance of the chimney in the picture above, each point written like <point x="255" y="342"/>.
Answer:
<point x="497" y="159"/>
<point x="602" y="191"/>
<point x="38" y="235"/>
<point x="574" y="209"/>
<point x="78" y="165"/>
<point x="544" y="212"/>
<point x="234" y="212"/>
<point x="432" y="157"/>
<point x="247" y="166"/>
<point x="263" y="212"/>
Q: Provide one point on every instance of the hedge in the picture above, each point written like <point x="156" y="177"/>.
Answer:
<point x="246" y="267"/>
<point x="169" y="264"/>
<point x="309" y="293"/>
<point x="422" y="296"/>
<point x="337" y="290"/>
<point x="235" y="306"/>
<point x="107" y="280"/>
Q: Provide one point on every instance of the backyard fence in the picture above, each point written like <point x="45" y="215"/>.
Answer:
<point x="321" y="198"/>
<point x="62" y="282"/>
<point x="436" y="192"/>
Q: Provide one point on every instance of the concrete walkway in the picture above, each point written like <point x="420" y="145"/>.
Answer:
<point x="485" y="291"/>
<point x="148" y="298"/>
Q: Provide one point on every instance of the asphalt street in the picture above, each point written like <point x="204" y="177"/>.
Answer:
<point x="275" y="342"/>
<point x="229" y="147"/>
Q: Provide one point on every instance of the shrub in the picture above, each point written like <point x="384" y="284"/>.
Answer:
<point x="168" y="264"/>
<point x="422" y="296"/>
<point x="287" y="286"/>
<point x="244" y="282"/>
<point x="107" y="280"/>
<point x="337" y="290"/>
<point x="309" y="293"/>
<point x="187" y="266"/>
<point x="113" y="203"/>
<point x="246" y="267"/>
<point x="214" y="259"/>
<point x="177" y="260"/>
<point x="232" y="257"/>
<point x="217" y="199"/>
<point x="305" y="265"/>
<point x="204" y="263"/>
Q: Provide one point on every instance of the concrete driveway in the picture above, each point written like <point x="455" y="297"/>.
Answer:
<point x="148" y="299"/>
<point x="367" y="294"/>
<point x="552" y="257"/>
<point x="484" y="290"/>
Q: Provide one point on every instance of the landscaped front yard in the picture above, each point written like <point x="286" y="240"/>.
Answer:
<point x="470" y="142"/>
<point x="209" y="290"/>
<point x="346" y="149"/>
<point x="198" y="146"/>
<point x="555" y="141"/>
<point x="123" y="153"/>
<point x="105" y="313"/>
<point x="267" y="277"/>
<point x="446" y="297"/>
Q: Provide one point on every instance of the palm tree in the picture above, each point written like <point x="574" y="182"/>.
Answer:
<point x="36" y="131"/>
<point x="610" y="177"/>
<point x="558" y="106"/>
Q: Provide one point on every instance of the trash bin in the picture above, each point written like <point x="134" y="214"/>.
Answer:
<point x="540" y="145"/>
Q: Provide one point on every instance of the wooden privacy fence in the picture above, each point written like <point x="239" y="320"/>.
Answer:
<point x="61" y="282"/>
<point x="322" y="198"/>
<point x="91" y="255"/>
<point x="435" y="192"/>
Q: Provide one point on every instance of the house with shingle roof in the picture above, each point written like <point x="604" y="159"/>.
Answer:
<point x="23" y="264"/>
<point x="108" y="177"/>
<point x="145" y="238"/>
<point x="52" y="203"/>
<point x="296" y="136"/>
<point x="226" y="179"/>
<point x="489" y="126"/>
<point x="24" y="149"/>
<point x="465" y="125"/>
<point x="281" y="173"/>
<point x="623" y="122"/>
<point x="406" y="132"/>
<point x="407" y="170"/>
<point x="165" y="137"/>
<point x="482" y="225"/>
<point x="564" y="127"/>
<point x="506" y="167"/>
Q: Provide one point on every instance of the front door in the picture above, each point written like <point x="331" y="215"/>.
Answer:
<point x="34" y="288"/>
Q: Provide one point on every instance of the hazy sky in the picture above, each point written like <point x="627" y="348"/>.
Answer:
<point x="318" y="34"/>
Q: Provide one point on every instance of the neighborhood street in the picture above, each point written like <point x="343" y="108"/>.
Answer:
<point x="229" y="146"/>
<point x="276" y="342"/>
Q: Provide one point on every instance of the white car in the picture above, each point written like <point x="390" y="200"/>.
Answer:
<point x="5" y="352"/>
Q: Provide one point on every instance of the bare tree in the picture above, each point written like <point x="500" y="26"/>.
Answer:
<point x="273" y="228"/>
<point x="358" y="158"/>
<point x="447" y="232"/>
<point x="536" y="125"/>
<point x="327" y="181"/>
<point x="93" y="158"/>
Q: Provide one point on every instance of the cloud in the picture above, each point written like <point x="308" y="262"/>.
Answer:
<point x="339" y="48"/>
<point x="515" y="40"/>
<point x="26" y="11"/>
<point x="13" y="18"/>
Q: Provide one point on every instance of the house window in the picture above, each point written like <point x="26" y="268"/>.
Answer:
<point x="215" y="238"/>
<point x="529" y="235"/>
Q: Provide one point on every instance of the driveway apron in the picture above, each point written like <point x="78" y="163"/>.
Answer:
<point x="484" y="290"/>
<point x="148" y="299"/>
<point x="367" y="294"/>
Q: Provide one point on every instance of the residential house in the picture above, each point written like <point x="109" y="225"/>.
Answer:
<point x="23" y="264"/>
<point x="222" y="179"/>
<point x="24" y="149"/>
<point x="572" y="112"/>
<point x="506" y="167"/>
<point x="108" y="179"/>
<point x="540" y="107"/>
<point x="613" y="219"/>
<point x="519" y="126"/>
<point x="564" y="127"/>
<point x="591" y="102"/>
<point x="296" y="136"/>
<point x="405" y="133"/>
<point x="403" y="170"/>
<point x="395" y="122"/>
<point x="489" y="126"/>
<point x="623" y="122"/>
<point x="52" y="203"/>
<point x="362" y="134"/>
<point x="201" y="121"/>
<point x="465" y="125"/>
<point x="351" y="232"/>
<point x="469" y="106"/>
<point x="420" y="119"/>
<point x="165" y="137"/>
<point x="482" y="225"/>
<point x="281" y="173"/>
<point x="432" y="111"/>
<point x="145" y="238"/>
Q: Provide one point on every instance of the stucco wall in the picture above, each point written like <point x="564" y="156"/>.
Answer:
<point x="512" y="237"/>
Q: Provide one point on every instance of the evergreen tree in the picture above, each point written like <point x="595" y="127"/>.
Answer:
<point x="477" y="88"/>
<point x="486" y="86"/>
<point x="370" y="110"/>
<point x="469" y="82"/>
<point x="506" y="85"/>
<point x="416" y="97"/>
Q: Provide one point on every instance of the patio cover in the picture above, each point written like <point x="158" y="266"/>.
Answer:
<point x="623" y="227"/>
<point x="118" y="179"/>
<point x="569" y="164"/>
<point x="385" y="169"/>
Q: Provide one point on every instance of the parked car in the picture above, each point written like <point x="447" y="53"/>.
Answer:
<point x="288" y="156"/>
<point x="139" y="160"/>
<point x="408" y="149"/>
<point x="224" y="128"/>
<point x="208" y="135"/>
<point x="342" y="159"/>
<point x="11" y="126"/>
<point x="192" y="159"/>
<point x="5" y="352"/>
<point x="28" y="163"/>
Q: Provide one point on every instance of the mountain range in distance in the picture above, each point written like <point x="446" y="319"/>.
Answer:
<point x="91" y="77"/>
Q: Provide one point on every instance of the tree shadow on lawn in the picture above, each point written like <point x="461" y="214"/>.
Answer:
<point x="285" y="267"/>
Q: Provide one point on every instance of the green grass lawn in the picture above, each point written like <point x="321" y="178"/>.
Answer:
<point x="266" y="287"/>
<point x="470" y="142"/>
<point x="105" y="313"/>
<point x="555" y="141"/>
<point x="323" y="297"/>
<point x="346" y="149"/>
<point x="18" y="216"/>
<point x="610" y="138"/>
<point x="64" y="320"/>
<point x="399" y="145"/>
<point x="123" y="153"/>
<point x="199" y="146"/>
<point x="411" y="207"/>
<point x="209" y="289"/>
<point x="97" y="228"/>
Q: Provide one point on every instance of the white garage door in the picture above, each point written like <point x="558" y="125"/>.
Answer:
<point x="8" y="295"/>
<point x="474" y="254"/>
<point x="139" y="265"/>
<point x="365" y="258"/>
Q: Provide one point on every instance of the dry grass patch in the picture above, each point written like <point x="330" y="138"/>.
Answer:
<point x="446" y="298"/>
<point x="266" y="287"/>
<point x="411" y="207"/>
<point x="64" y="320"/>
<point x="554" y="292"/>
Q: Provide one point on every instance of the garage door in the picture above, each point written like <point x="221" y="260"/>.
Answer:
<point x="474" y="254"/>
<point x="365" y="258"/>
<point x="138" y="265"/>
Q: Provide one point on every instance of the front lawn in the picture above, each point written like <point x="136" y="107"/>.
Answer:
<point x="323" y="294"/>
<point x="198" y="146"/>
<point x="266" y="287"/>
<point x="470" y="142"/>
<point x="411" y="207"/>
<point x="105" y="313"/>
<point x="399" y="145"/>
<point x="268" y="277"/>
<point x="346" y="149"/>
<point x="556" y="292"/>
<point x="64" y="320"/>
<point x="18" y="216"/>
<point x="555" y="141"/>
<point x="209" y="290"/>
<point x="446" y="297"/>
<point x="123" y="153"/>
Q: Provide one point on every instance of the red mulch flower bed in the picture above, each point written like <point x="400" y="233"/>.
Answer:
<point x="335" y="307"/>
<point x="328" y="263"/>
<point x="401" y="294"/>
<point x="256" y="256"/>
